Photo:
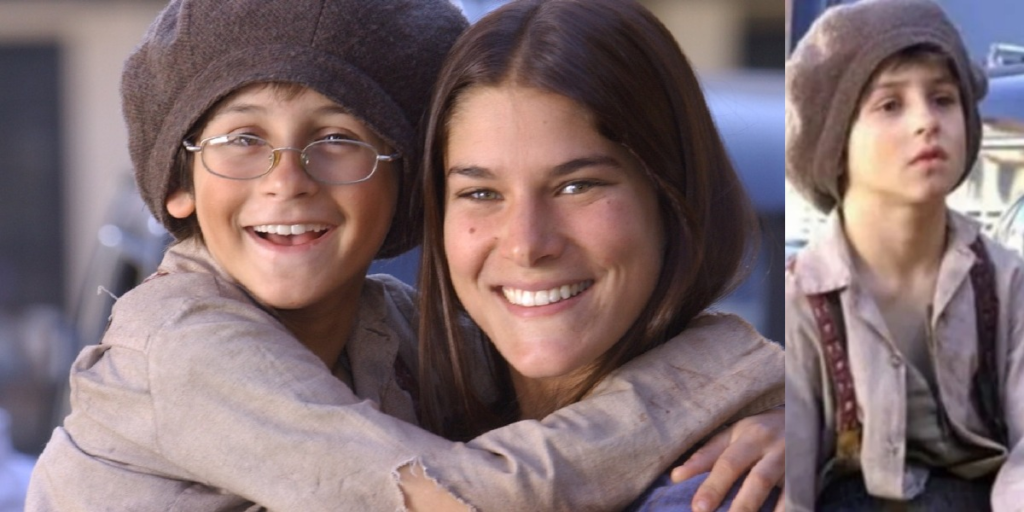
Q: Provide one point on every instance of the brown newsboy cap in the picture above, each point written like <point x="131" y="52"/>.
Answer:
<point x="831" y="66"/>
<point x="376" y="58"/>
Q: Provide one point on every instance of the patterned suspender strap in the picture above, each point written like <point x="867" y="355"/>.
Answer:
<point x="829" y="316"/>
<point x="985" y="383"/>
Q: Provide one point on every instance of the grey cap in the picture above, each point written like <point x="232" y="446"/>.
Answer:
<point x="832" y="64"/>
<point x="378" y="59"/>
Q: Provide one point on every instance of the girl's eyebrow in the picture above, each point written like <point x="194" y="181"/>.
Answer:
<point x="563" y="169"/>
<point x="472" y="171"/>
<point x="588" y="161"/>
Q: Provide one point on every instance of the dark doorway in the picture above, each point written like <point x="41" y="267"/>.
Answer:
<point x="31" y="198"/>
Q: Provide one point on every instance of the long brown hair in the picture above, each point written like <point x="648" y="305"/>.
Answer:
<point x="616" y="59"/>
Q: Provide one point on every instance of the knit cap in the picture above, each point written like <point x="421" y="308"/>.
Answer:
<point x="378" y="59"/>
<point x="831" y="66"/>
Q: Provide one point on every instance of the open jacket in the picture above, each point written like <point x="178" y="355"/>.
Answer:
<point x="880" y="372"/>
<point x="198" y="399"/>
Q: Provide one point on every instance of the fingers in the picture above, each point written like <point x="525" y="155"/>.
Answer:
<point x="781" y="505"/>
<point x="756" y="444"/>
<point x="703" y="459"/>
<point x="727" y="470"/>
<point x="763" y="477"/>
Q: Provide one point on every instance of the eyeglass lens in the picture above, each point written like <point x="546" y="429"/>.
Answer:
<point x="328" y="161"/>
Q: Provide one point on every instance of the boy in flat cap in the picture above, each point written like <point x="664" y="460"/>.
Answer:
<point x="259" y="368"/>
<point x="904" y="324"/>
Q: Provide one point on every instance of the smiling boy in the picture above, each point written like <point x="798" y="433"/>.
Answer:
<point x="904" y="323"/>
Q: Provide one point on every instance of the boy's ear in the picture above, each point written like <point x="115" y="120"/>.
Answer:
<point x="180" y="204"/>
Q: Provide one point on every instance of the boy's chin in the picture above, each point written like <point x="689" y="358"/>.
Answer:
<point x="295" y="298"/>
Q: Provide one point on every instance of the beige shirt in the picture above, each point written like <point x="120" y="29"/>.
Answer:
<point x="199" y="400"/>
<point x="880" y="372"/>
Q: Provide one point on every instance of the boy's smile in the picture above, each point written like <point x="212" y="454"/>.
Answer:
<point x="908" y="142"/>
<point x="290" y="240"/>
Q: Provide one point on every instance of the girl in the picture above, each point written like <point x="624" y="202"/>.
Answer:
<point x="581" y="209"/>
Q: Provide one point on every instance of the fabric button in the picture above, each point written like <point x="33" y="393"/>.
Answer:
<point x="896" y="361"/>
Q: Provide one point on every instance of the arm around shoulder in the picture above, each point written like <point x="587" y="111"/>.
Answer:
<point x="604" y="451"/>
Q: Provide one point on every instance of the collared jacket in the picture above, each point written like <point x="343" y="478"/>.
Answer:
<point x="880" y="372"/>
<point x="198" y="399"/>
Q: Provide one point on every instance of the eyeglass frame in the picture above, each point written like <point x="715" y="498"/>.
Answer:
<point x="275" y="152"/>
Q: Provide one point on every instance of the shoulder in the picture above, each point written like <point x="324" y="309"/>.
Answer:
<point x="727" y="337"/>
<point x="395" y="289"/>
<point x="715" y="324"/>
<point x="392" y="293"/>
<point x="170" y="305"/>
<point x="1006" y="261"/>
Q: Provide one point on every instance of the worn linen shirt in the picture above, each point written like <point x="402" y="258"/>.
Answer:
<point x="198" y="399"/>
<point x="880" y="372"/>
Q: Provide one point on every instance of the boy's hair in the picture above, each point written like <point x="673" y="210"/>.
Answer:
<point x="838" y="58"/>
<point x="376" y="59"/>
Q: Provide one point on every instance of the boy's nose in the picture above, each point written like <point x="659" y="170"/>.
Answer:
<point x="288" y="176"/>
<point x="927" y="120"/>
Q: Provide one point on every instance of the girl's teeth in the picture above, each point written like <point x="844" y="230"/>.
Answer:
<point x="544" y="297"/>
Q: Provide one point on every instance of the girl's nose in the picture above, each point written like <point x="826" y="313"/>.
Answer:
<point x="530" y="234"/>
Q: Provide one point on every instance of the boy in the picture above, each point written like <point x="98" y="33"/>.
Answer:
<point x="904" y="323"/>
<point x="276" y="141"/>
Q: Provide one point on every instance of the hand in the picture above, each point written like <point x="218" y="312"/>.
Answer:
<point x="756" y="443"/>
<point x="423" y="493"/>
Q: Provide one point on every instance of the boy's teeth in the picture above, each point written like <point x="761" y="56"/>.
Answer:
<point x="529" y="299"/>
<point x="289" y="229"/>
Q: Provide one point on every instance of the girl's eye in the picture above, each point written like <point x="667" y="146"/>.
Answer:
<point x="480" y="194"/>
<point x="578" y="187"/>
<point x="946" y="100"/>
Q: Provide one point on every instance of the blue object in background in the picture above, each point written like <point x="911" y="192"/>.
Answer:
<point x="15" y="470"/>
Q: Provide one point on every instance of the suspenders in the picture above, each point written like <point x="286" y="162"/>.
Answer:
<point x="828" y="315"/>
<point x="985" y="383"/>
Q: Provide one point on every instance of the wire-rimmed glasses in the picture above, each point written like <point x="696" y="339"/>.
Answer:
<point x="328" y="161"/>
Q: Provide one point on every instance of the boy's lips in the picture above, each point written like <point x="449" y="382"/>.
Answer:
<point x="931" y="153"/>
<point x="290" y="234"/>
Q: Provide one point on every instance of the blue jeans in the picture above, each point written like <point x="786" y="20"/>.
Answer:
<point x="942" y="493"/>
<point x="664" y="496"/>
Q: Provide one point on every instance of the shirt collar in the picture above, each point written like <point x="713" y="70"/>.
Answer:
<point x="826" y="264"/>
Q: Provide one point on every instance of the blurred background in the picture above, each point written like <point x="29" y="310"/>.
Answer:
<point x="992" y="192"/>
<point x="73" y="234"/>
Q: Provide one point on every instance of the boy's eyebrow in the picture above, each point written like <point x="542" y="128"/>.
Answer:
<point x="239" y="108"/>
<point x="250" y="108"/>
<point x="333" y="109"/>
<point x="563" y="169"/>
<point x="945" y="79"/>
